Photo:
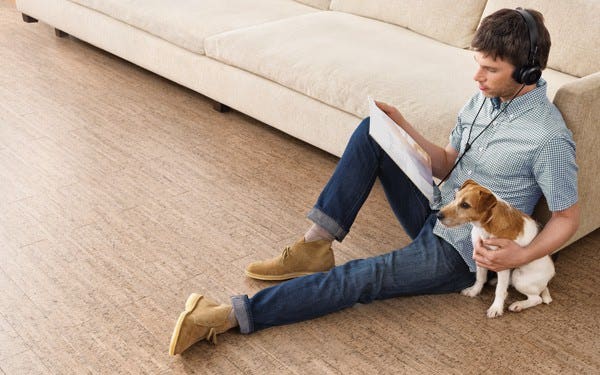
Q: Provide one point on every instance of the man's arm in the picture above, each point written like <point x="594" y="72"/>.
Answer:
<point x="442" y="159"/>
<point x="561" y="226"/>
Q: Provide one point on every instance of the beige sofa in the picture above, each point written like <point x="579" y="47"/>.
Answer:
<point x="306" y="67"/>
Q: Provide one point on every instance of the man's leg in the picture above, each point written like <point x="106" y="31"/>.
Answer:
<point x="339" y="203"/>
<point x="345" y="193"/>
<point x="429" y="265"/>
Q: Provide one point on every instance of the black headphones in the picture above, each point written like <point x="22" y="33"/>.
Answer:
<point x="530" y="73"/>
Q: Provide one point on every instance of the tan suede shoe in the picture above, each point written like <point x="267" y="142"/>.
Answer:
<point x="302" y="258"/>
<point x="202" y="319"/>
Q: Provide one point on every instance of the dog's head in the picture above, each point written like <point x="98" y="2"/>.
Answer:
<point x="472" y="203"/>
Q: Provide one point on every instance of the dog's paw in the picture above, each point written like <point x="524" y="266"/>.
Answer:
<point x="516" y="307"/>
<point x="495" y="311"/>
<point x="547" y="300"/>
<point x="471" y="291"/>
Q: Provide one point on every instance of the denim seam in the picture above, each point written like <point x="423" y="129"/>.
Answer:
<point x="369" y="182"/>
<point x="365" y="193"/>
<point x="242" y="313"/>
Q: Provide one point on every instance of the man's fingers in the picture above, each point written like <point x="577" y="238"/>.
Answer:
<point x="496" y="242"/>
<point x="383" y="106"/>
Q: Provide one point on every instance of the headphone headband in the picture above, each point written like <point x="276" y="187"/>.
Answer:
<point x="533" y="34"/>
<point x="530" y="73"/>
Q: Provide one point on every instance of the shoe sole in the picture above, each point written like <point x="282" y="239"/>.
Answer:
<point x="286" y="276"/>
<point x="190" y="305"/>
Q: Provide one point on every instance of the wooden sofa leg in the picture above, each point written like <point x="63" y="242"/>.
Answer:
<point x="220" y="107"/>
<point x="60" y="33"/>
<point x="28" y="19"/>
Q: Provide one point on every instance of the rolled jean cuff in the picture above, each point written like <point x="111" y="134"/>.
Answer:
<point x="320" y="218"/>
<point x="241" y="309"/>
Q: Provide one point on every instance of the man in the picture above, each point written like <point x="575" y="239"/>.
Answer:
<point x="508" y="137"/>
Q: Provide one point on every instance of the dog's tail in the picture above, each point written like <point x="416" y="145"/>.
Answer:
<point x="546" y="296"/>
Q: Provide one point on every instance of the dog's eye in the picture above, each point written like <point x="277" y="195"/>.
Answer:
<point x="465" y="205"/>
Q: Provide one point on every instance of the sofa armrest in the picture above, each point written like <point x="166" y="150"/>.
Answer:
<point x="579" y="103"/>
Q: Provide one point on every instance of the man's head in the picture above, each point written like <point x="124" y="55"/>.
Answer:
<point x="503" y="40"/>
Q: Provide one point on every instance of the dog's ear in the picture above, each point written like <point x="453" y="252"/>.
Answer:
<point x="487" y="199"/>
<point x="467" y="183"/>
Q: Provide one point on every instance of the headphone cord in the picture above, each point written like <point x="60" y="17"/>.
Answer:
<point x="468" y="144"/>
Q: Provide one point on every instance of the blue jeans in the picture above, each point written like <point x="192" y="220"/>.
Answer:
<point x="428" y="265"/>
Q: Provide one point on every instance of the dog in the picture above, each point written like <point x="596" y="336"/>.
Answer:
<point x="492" y="217"/>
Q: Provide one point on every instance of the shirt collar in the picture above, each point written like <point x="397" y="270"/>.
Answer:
<point x="523" y="103"/>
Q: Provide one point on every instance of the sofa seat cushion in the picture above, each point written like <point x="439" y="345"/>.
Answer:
<point x="340" y="59"/>
<point x="186" y="23"/>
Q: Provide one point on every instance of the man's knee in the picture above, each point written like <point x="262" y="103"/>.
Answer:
<point x="363" y="127"/>
<point x="362" y="130"/>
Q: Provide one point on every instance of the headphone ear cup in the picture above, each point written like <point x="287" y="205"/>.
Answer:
<point x="517" y="75"/>
<point x="527" y="75"/>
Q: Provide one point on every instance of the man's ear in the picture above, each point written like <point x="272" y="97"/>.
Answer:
<point x="467" y="183"/>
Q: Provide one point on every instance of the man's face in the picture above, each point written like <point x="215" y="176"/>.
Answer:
<point x="494" y="77"/>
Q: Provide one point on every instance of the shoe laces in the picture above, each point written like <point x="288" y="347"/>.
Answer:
<point x="286" y="253"/>
<point x="212" y="336"/>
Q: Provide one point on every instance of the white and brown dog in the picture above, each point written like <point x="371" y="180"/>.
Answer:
<point x="494" y="218"/>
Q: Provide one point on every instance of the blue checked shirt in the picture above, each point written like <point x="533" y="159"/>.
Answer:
<point x="526" y="153"/>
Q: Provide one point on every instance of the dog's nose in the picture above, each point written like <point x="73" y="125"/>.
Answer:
<point x="440" y="215"/>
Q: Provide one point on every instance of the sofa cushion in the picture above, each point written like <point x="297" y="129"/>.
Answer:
<point x="320" y="4"/>
<point x="574" y="28"/>
<point x="186" y="23"/>
<point x="450" y="22"/>
<point x="340" y="59"/>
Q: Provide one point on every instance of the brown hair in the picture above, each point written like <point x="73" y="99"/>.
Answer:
<point x="504" y="34"/>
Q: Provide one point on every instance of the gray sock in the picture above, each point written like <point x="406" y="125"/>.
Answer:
<point x="232" y="320"/>
<point x="316" y="233"/>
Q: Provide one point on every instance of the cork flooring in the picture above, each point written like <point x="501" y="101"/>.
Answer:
<point x="122" y="192"/>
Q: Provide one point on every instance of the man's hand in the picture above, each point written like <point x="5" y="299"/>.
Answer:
<point x="442" y="159"/>
<point x="392" y="113"/>
<point x="561" y="226"/>
<point x="508" y="254"/>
